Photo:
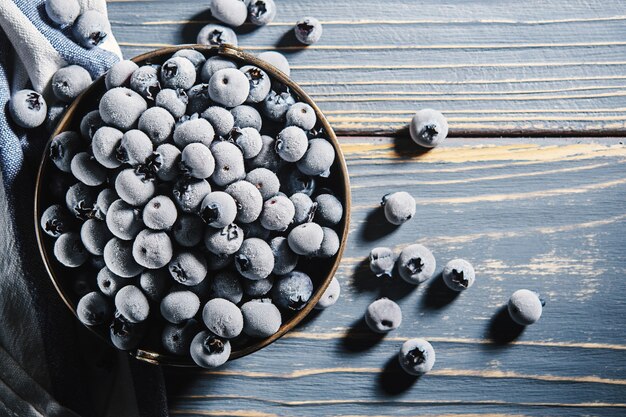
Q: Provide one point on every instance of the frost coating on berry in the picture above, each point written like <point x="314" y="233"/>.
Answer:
<point x="261" y="12"/>
<point x="260" y="83"/>
<point x="93" y="309"/>
<point x="458" y="275"/>
<point x="231" y="12"/>
<point x="292" y="291"/>
<point x="68" y="82"/>
<point x="121" y="107"/>
<point x="318" y="158"/>
<point x="118" y="257"/>
<point x="63" y="148"/>
<point x="276" y="59"/>
<point x="428" y="128"/>
<point x="188" y="268"/>
<point x="119" y="74"/>
<point x="224" y="241"/>
<point x="246" y="116"/>
<point x="179" y="306"/>
<point x="70" y="251"/>
<point x="330" y="296"/>
<point x="132" y="304"/>
<point x="261" y="319"/>
<point x="222" y="318"/>
<point x="216" y="35"/>
<point x="382" y="261"/>
<point x="308" y="30"/>
<point x="248" y="199"/>
<point x="91" y="29"/>
<point x="525" y="307"/>
<point x="178" y="72"/>
<point x="399" y="207"/>
<point x="174" y="101"/>
<point x="62" y="12"/>
<point x="28" y="109"/>
<point x="157" y="123"/>
<point x="209" y="351"/>
<point x="416" y="357"/>
<point x="416" y="264"/>
<point x="255" y="259"/>
<point x="383" y="315"/>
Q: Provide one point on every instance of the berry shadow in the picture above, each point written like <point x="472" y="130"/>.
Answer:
<point x="189" y="31"/>
<point x="437" y="294"/>
<point x="313" y="314"/>
<point x="291" y="44"/>
<point x="393" y="380"/>
<point x="364" y="280"/>
<point x="404" y="145"/>
<point x="502" y="329"/>
<point x="360" y="338"/>
<point x="376" y="226"/>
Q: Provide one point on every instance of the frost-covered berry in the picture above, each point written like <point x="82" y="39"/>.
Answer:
<point x="170" y="162"/>
<point x="94" y="234"/>
<point x="199" y="99"/>
<point x="248" y="139"/>
<point x="174" y="101"/>
<point x="276" y="59"/>
<point x="308" y="30"/>
<point x="118" y="257"/>
<point x="63" y="148"/>
<point x="255" y="259"/>
<point x="246" y="116"/>
<point x="329" y="210"/>
<point x="209" y="351"/>
<point x="416" y="357"/>
<point x="135" y="147"/>
<point x="188" y="230"/>
<point x="91" y="28"/>
<point x="109" y="283"/>
<point x="119" y="74"/>
<point x="218" y="209"/>
<point x="525" y="307"/>
<point x="383" y="315"/>
<point x="131" y="303"/>
<point x="222" y="318"/>
<point x="305" y="208"/>
<point x="318" y="158"/>
<point x="330" y="296"/>
<point x="265" y="181"/>
<point x="152" y="249"/>
<point x="62" y="12"/>
<point x="81" y="201"/>
<point x="260" y="83"/>
<point x="188" y="193"/>
<point x="188" y="268"/>
<point x="176" y="338"/>
<point x="193" y="131"/>
<point x="301" y="115"/>
<point x="197" y="58"/>
<point x="197" y="161"/>
<point x="231" y="12"/>
<point x="124" y="334"/>
<point x="124" y="220"/>
<point x="221" y="119"/>
<point x="382" y="261"/>
<point x="229" y="87"/>
<point x="416" y="264"/>
<point x="121" y="107"/>
<point x="399" y="207"/>
<point x="229" y="165"/>
<point x="213" y="65"/>
<point x="285" y="260"/>
<point x="291" y="143"/>
<point x="69" y="250"/>
<point x="178" y="306"/>
<point x="267" y="157"/>
<point x="306" y="239"/>
<point x="28" y="108"/>
<point x="260" y="318"/>
<point x="104" y="200"/>
<point x="257" y="288"/>
<point x="93" y="309"/>
<point x="277" y="214"/>
<point x="428" y="128"/>
<point x="145" y="81"/>
<point x="55" y="112"/>
<point x="178" y="72"/>
<point x="261" y="12"/>
<point x="216" y="35"/>
<point x="89" y="124"/>
<point x="160" y="213"/>
<point x="226" y="285"/>
<point x="104" y="146"/>
<point x="68" y="82"/>
<point x="458" y="274"/>
<point x="255" y="229"/>
<point x="248" y="199"/>
<point x="292" y="291"/>
<point x="157" y="123"/>
<point x="330" y="244"/>
<point x="294" y="181"/>
<point x="154" y="283"/>
<point x="55" y="220"/>
<point x="218" y="262"/>
<point x="275" y="105"/>
<point x="134" y="188"/>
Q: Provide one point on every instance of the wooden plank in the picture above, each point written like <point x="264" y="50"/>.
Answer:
<point x="528" y="68"/>
<point x="544" y="214"/>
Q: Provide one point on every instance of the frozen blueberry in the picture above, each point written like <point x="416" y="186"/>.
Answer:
<point x="193" y="131"/>
<point x="259" y="287"/>
<point x="267" y="157"/>
<point x="124" y="220"/>
<point x="118" y="257"/>
<point x="178" y="72"/>
<point x="265" y="181"/>
<point x="94" y="234"/>
<point x="399" y="207"/>
<point x="196" y="57"/>
<point x="28" y="108"/>
<point x="221" y="119"/>
<point x="189" y="192"/>
<point x="176" y="338"/>
<point x="458" y="274"/>
<point x="248" y="199"/>
<point x="222" y="318"/>
<point x="145" y="81"/>
<point x="525" y="307"/>
<point x="218" y="209"/>
<point x="63" y="148"/>
<point x="81" y="201"/>
<point x="304" y="207"/>
<point x="383" y="315"/>
<point x="104" y="146"/>
<point x="157" y="123"/>
<point x="261" y="12"/>
<point x="55" y="112"/>
<point x="119" y="74"/>
<point x="121" y="107"/>
<point x="255" y="259"/>
<point x="188" y="230"/>
<point x="229" y="87"/>
<point x="330" y="296"/>
<point x="329" y="209"/>
<point x="318" y="158"/>
<point x="285" y="260"/>
<point x="124" y="334"/>
<point x="416" y="264"/>
<point x="154" y="282"/>
<point x="294" y="181"/>
<point x="109" y="283"/>
<point x="308" y="30"/>
<point x="218" y="262"/>
<point x="226" y="285"/>
<point x="133" y="188"/>
<point x="91" y="28"/>
<point x="428" y="128"/>
<point x="152" y="249"/>
<point x="255" y="229"/>
<point x="260" y="83"/>
<point x="174" y="101"/>
<point x="275" y="105"/>
<point x="55" y="220"/>
<point x="416" y="357"/>
<point x="93" y="309"/>
<point x="132" y="304"/>
<point x="291" y="144"/>
<point x="179" y="306"/>
<point x="160" y="213"/>
<point x="231" y="12"/>
<point x="277" y="214"/>
<point x="260" y="318"/>
<point x="306" y="239"/>
<point x="105" y="198"/>
<point x="292" y="291"/>
<point x="330" y="244"/>
<point x="62" y="12"/>
<point x="89" y="124"/>
<point x="135" y="147"/>
<point x="170" y="162"/>
<point x="197" y="161"/>
<point x="276" y="59"/>
<point x="246" y="116"/>
<point x="69" y="250"/>
<point x="301" y="115"/>
<point x="209" y="351"/>
<point x="68" y="82"/>
<point x="199" y="99"/>
<point x="248" y="140"/>
<point x="213" y="65"/>
<point x="188" y="268"/>
<point x="382" y="261"/>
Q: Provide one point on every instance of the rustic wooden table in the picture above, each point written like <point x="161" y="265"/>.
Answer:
<point x="530" y="187"/>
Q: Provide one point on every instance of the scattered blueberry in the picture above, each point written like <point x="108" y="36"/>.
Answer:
<point x="383" y="315"/>
<point x="399" y="207"/>
<point x="416" y="357"/>
<point x="28" y="109"/>
<point x="458" y="274"/>
<point x="382" y="261"/>
<point x="68" y="82"/>
<point x="525" y="307"/>
<point x="428" y="128"/>
<point x="91" y="29"/>
<point x="308" y="30"/>
<point x="416" y="264"/>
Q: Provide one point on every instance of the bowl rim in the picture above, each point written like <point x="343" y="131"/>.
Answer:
<point x="226" y="51"/>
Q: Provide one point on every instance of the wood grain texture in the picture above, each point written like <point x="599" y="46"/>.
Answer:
<point x="512" y="68"/>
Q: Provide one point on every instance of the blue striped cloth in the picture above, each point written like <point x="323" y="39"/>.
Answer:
<point x="49" y="364"/>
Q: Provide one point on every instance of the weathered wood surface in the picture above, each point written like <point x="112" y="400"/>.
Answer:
<point x="494" y="67"/>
